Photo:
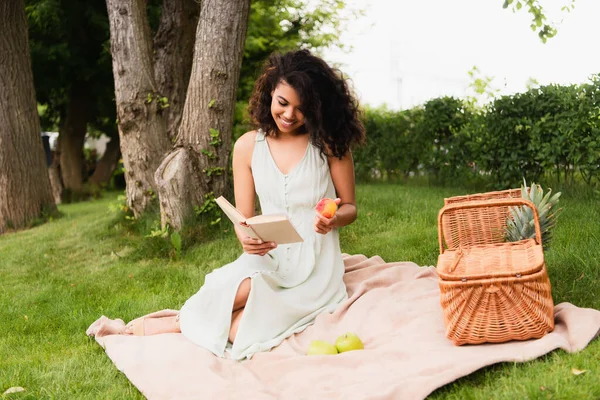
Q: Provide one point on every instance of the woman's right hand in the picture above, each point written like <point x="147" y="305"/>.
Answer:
<point x="257" y="246"/>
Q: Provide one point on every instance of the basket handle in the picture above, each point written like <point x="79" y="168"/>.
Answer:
<point x="489" y="203"/>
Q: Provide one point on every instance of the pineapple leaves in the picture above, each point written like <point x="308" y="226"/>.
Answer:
<point x="521" y="224"/>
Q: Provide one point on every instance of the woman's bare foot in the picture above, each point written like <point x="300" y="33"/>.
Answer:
<point x="104" y="326"/>
<point x="136" y="327"/>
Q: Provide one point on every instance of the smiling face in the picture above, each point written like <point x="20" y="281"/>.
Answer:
<point x="286" y="109"/>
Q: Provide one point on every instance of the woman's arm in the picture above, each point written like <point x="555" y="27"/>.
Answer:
<point x="245" y="192"/>
<point x="342" y="174"/>
<point x="243" y="182"/>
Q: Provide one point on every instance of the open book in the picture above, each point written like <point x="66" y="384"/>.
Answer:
<point x="269" y="228"/>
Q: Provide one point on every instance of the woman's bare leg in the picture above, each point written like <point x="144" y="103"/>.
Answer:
<point x="241" y="298"/>
<point x="145" y="326"/>
<point x="236" y="317"/>
<point x="155" y="326"/>
<point x="165" y="321"/>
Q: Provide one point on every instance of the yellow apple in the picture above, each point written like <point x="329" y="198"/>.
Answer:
<point x="348" y="342"/>
<point x="320" y="347"/>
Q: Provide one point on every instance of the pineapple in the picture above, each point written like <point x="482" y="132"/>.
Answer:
<point x="520" y="224"/>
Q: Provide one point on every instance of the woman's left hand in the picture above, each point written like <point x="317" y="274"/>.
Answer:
<point x="324" y="225"/>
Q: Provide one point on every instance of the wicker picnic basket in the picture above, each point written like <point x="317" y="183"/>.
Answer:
<point x="491" y="290"/>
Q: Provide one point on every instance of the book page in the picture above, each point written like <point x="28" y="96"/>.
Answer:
<point x="233" y="213"/>
<point x="236" y="217"/>
<point x="281" y="231"/>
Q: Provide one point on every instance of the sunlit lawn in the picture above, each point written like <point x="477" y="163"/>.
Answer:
<point x="57" y="278"/>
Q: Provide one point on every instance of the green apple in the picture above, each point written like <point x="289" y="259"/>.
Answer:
<point x="348" y="342"/>
<point x="320" y="347"/>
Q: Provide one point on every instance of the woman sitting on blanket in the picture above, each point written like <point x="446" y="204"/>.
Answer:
<point x="306" y="120"/>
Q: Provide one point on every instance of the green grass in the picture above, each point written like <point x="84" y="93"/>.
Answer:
<point x="55" y="279"/>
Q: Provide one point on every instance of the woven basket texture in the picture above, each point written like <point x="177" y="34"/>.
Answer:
<point x="491" y="290"/>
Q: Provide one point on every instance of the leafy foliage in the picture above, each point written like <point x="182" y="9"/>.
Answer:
<point x="550" y="131"/>
<point x="539" y="21"/>
<point x="69" y="42"/>
<point x="506" y="149"/>
<point x="443" y="122"/>
<point x="482" y="88"/>
<point x="394" y="147"/>
<point x="282" y="25"/>
<point x="429" y="139"/>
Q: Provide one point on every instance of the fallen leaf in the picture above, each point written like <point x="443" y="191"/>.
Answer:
<point x="26" y="317"/>
<point x="14" y="389"/>
<point x="131" y="275"/>
<point x="576" y="371"/>
<point x="72" y="284"/>
<point x="542" y="388"/>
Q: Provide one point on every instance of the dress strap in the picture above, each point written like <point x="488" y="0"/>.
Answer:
<point x="260" y="136"/>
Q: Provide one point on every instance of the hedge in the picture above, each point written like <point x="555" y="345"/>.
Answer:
<point x="552" y="130"/>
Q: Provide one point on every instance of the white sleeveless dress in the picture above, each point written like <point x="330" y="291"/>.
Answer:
<point x="291" y="285"/>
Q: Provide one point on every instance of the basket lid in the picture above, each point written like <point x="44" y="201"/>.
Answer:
<point x="491" y="261"/>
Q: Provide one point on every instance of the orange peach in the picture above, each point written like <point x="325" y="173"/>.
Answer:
<point x="326" y="207"/>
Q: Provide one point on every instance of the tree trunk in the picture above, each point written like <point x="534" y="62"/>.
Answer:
<point x="55" y="182"/>
<point x="72" y="134"/>
<point x="25" y="192"/>
<point x="107" y="164"/>
<point x="206" y="127"/>
<point x="175" y="193"/>
<point x="173" y="55"/>
<point x="55" y="175"/>
<point x="142" y="129"/>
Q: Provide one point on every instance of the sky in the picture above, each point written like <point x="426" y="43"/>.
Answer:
<point x="405" y="52"/>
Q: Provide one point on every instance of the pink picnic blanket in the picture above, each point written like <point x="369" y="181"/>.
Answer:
<point x="393" y="307"/>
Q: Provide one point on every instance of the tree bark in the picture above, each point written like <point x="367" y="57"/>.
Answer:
<point x="55" y="175"/>
<point x="107" y="164"/>
<point x="55" y="182"/>
<point x="25" y="192"/>
<point x="173" y="55"/>
<point x="142" y="129"/>
<point x="175" y="193"/>
<point x="72" y="134"/>
<point x="206" y="127"/>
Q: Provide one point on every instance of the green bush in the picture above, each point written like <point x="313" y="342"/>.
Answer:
<point x="447" y="142"/>
<point x="551" y="132"/>
<point x="506" y="149"/>
<point x="585" y="148"/>
<point x="395" y="145"/>
<point x="366" y="157"/>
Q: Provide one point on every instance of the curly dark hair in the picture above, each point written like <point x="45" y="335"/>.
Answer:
<point x="331" y="112"/>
